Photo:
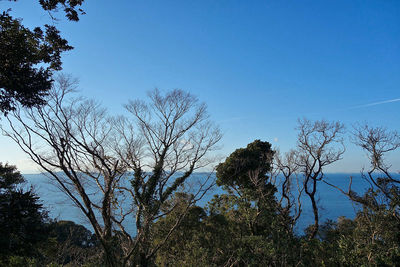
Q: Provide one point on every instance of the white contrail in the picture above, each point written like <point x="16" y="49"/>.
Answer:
<point x="376" y="103"/>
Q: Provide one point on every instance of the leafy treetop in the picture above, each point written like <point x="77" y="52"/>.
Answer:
<point x="29" y="57"/>
<point x="9" y="177"/>
<point x="27" y="61"/>
<point x="246" y="168"/>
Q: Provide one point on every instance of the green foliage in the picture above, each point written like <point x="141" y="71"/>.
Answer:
<point x="22" y="220"/>
<point x="186" y="243"/>
<point x="71" y="7"/>
<point x="77" y="235"/>
<point x="231" y="231"/>
<point x="70" y="244"/>
<point x="28" y="59"/>
<point x="19" y="261"/>
<point x="10" y="177"/>
<point x="372" y="238"/>
<point x="21" y="223"/>
<point x="246" y="168"/>
<point x="28" y="238"/>
<point x="246" y="226"/>
<point x="243" y="227"/>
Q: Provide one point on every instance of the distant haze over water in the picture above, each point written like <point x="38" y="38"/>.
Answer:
<point x="332" y="203"/>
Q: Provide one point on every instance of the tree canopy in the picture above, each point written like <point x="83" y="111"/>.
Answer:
<point x="246" y="168"/>
<point x="134" y="165"/>
<point x="29" y="58"/>
<point x="21" y="216"/>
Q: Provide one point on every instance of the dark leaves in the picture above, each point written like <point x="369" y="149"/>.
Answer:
<point x="71" y="7"/>
<point x="28" y="59"/>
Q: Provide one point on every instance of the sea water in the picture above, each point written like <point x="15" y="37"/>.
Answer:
<point x="331" y="202"/>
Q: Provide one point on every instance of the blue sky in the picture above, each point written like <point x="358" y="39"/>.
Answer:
<point x="259" y="65"/>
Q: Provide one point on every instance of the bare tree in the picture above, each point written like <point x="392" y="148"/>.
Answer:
<point x="317" y="148"/>
<point x="377" y="142"/>
<point x="68" y="139"/>
<point x="290" y="186"/>
<point x="112" y="172"/>
<point x="175" y="136"/>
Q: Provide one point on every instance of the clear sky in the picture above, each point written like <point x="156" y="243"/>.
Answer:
<point x="259" y="65"/>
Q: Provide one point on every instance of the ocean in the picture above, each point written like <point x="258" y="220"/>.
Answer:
<point x="332" y="202"/>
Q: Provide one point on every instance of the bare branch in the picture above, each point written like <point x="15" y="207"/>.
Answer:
<point x="320" y="144"/>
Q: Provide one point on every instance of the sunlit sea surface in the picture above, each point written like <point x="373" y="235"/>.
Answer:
<point x="332" y="202"/>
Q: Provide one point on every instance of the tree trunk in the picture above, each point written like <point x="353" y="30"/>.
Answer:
<point x="314" y="207"/>
<point x="316" y="219"/>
